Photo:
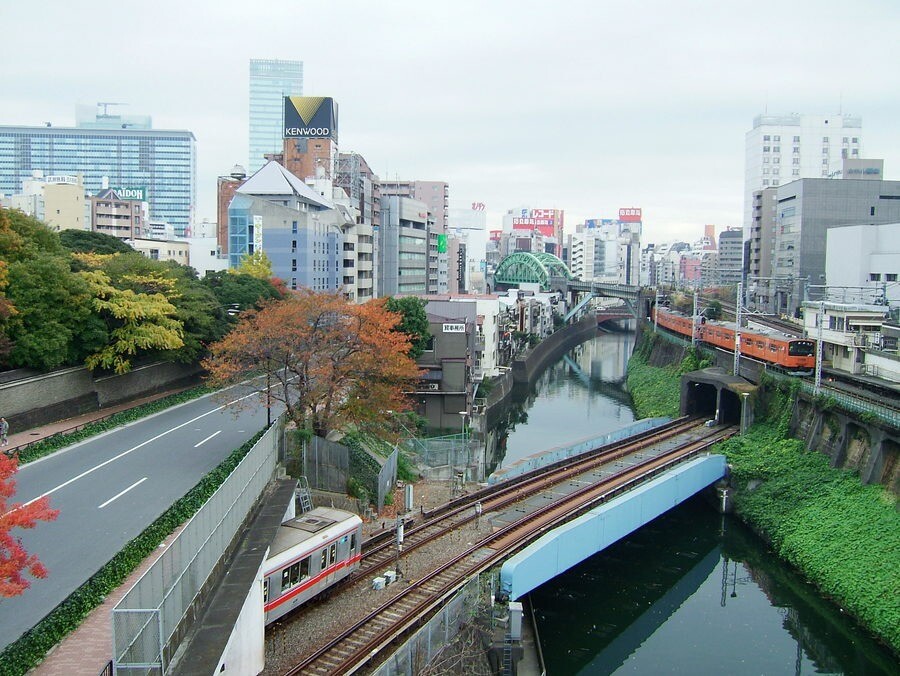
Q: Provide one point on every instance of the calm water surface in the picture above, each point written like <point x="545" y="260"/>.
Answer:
<point x="690" y="593"/>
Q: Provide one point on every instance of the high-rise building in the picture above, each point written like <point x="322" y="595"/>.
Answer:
<point x="404" y="254"/>
<point x="729" y="265"/>
<point x="783" y="148"/>
<point x="117" y="217"/>
<point x="807" y="209"/>
<point x="128" y="154"/>
<point x="270" y="81"/>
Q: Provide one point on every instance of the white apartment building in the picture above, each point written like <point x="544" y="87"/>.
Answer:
<point x="862" y="263"/>
<point x="783" y="148"/>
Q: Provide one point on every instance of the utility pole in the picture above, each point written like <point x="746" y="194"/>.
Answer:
<point x="821" y="322"/>
<point x="737" y="329"/>
<point x="656" y="311"/>
<point x="694" y="323"/>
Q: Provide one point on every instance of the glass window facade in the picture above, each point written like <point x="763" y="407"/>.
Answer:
<point x="165" y="162"/>
<point x="270" y="81"/>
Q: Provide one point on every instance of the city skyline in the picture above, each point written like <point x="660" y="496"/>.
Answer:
<point x="579" y="107"/>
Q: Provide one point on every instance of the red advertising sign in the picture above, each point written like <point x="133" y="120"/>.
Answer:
<point x="533" y="222"/>
<point x="543" y="213"/>
<point x="630" y="215"/>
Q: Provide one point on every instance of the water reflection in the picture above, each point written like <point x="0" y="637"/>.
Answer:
<point x="693" y="593"/>
<point x="581" y="395"/>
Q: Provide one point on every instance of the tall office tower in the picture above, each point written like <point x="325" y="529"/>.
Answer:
<point x="123" y="149"/>
<point x="270" y="81"/>
<point x="730" y="259"/>
<point x="783" y="148"/>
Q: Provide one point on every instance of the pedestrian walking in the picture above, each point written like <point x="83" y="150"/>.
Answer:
<point x="4" y="430"/>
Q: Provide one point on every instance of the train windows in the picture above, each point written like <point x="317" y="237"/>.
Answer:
<point x="801" y="348"/>
<point x="324" y="559"/>
<point x="353" y="543"/>
<point x="332" y="554"/>
<point x="293" y="575"/>
<point x="304" y="569"/>
<point x="266" y="590"/>
<point x="773" y="347"/>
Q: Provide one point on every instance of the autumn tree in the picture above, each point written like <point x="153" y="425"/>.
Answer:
<point x="15" y="562"/>
<point x="332" y="364"/>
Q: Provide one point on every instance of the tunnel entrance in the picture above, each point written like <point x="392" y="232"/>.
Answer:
<point x="712" y="391"/>
<point x="729" y="408"/>
<point x="702" y="400"/>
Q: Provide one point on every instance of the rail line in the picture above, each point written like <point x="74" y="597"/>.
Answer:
<point x="456" y="513"/>
<point x="362" y="642"/>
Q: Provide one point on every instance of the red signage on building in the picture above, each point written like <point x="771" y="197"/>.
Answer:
<point x="630" y="215"/>
<point x="531" y="223"/>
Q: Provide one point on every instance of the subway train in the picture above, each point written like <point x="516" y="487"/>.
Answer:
<point x="309" y="554"/>
<point x="794" y="355"/>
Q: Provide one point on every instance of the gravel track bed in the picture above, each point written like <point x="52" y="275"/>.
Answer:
<point x="319" y="621"/>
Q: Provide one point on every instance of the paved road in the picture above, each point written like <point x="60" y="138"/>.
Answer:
<point x="109" y="488"/>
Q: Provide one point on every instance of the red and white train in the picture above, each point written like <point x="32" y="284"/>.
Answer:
<point x="795" y="355"/>
<point x="308" y="555"/>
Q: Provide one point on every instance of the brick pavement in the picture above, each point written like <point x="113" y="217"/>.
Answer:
<point x="87" y="650"/>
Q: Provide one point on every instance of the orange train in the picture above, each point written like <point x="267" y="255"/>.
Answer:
<point x="795" y="355"/>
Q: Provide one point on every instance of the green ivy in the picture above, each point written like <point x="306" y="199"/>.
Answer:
<point x="29" y="650"/>
<point x="841" y="534"/>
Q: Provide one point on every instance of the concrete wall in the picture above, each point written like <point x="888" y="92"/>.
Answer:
<point x="48" y="397"/>
<point x="575" y="541"/>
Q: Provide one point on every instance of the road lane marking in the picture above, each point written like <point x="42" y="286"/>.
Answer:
<point x="207" y="439"/>
<point x="119" y="495"/>
<point x="131" y="450"/>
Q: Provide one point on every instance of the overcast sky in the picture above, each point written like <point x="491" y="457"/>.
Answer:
<point x="583" y="106"/>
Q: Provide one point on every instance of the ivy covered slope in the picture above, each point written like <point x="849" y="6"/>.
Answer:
<point x="840" y="534"/>
<point x="843" y="535"/>
<point x="655" y="390"/>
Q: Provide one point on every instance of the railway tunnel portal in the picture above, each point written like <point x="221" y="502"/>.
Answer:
<point x="718" y="395"/>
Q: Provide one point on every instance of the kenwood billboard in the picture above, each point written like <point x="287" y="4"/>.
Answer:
<point x="310" y="117"/>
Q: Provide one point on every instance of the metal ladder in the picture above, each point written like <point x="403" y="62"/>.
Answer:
<point x="507" y="669"/>
<point x="304" y="499"/>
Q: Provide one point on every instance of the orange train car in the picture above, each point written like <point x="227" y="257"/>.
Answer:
<point x="795" y="355"/>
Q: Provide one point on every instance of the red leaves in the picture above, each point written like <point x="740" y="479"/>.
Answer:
<point x="15" y="562"/>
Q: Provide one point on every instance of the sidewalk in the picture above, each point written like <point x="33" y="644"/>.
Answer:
<point x="28" y="437"/>
<point x="88" y="649"/>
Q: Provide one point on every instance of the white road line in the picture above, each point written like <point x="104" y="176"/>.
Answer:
<point x="140" y="445"/>
<point x="119" y="495"/>
<point x="207" y="439"/>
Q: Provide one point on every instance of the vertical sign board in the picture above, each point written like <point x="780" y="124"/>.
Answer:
<point x="442" y="243"/>
<point x="310" y="117"/>
<point x="257" y="234"/>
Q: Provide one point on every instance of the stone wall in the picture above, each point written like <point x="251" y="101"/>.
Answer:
<point x="48" y="397"/>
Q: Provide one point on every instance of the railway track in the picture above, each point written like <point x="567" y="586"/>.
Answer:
<point x="378" y="552"/>
<point x="361" y="643"/>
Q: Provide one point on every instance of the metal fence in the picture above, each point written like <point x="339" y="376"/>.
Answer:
<point x="414" y="655"/>
<point x="146" y="619"/>
<point x="453" y="450"/>
<point x="326" y="465"/>
<point x="387" y="477"/>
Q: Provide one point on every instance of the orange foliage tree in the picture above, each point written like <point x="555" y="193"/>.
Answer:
<point x="15" y="562"/>
<point x="332" y="364"/>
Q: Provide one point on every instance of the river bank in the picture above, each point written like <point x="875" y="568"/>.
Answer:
<point x="841" y="535"/>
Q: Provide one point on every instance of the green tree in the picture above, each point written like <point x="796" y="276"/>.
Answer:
<point x="83" y="241"/>
<point x="138" y="322"/>
<point x="53" y="324"/>
<point x="256" y="265"/>
<point x="241" y="290"/>
<point x="413" y="322"/>
<point x="714" y="310"/>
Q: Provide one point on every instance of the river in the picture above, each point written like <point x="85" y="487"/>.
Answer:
<point x="690" y="593"/>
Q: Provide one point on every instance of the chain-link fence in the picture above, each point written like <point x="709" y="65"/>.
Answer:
<point x="147" y="622"/>
<point x="448" y="453"/>
<point x="414" y="655"/>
